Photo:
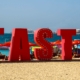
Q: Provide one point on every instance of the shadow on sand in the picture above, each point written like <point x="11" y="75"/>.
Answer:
<point x="37" y="61"/>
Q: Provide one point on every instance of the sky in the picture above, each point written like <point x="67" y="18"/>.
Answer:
<point x="34" y="14"/>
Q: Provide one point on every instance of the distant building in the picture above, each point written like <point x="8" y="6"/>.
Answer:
<point x="54" y="33"/>
<point x="30" y="31"/>
<point x="78" y="31"/>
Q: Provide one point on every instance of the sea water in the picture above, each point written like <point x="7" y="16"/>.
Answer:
<point x="7" y="37"/>
<point x="5" y="52"/>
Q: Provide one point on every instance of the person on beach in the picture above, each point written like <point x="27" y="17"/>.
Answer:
<point x="0" y="53"/>
<point x="56" y="52"/>
<point x="74" y="52"/>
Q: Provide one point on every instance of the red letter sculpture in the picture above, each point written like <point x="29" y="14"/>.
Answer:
<point x="46" y="51"/>
<point x="19" y="45"/>
<point x="66" y="42"/>
<point x="1" y="31"/>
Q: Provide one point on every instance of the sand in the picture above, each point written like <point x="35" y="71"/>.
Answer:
<point x="54" y="70"/>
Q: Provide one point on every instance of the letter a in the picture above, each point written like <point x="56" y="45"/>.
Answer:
<point x="19" y="45"/>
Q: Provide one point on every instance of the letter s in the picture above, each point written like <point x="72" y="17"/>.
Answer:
<point x="46" y="50"/>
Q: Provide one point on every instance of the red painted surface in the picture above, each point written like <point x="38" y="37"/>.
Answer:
<point x="19" y="45"/>
<point x="1" y="31"/>
<point x="66" y="42"/>
<point x="46" y="52"/>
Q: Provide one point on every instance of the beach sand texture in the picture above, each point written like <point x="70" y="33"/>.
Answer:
<point x="40" y="71"/>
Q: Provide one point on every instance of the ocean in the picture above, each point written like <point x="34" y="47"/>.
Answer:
<point x="7" y="37"/>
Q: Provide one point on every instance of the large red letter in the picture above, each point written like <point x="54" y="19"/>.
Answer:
<point x="46" y="51"/>
<point x="19" y="45"/>
<point x="66" y="42"/>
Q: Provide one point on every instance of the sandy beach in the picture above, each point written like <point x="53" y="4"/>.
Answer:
<point x="54" y="70"/>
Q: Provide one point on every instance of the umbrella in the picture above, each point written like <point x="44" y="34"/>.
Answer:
<point x="32" y="44"/>
<point x="0" y="45"/>
<point x="8" y="44"/>
<point x="76" y="42"/>
<point x="58" y="42"/>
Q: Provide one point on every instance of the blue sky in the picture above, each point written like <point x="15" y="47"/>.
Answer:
<point x="34" y="14"/>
